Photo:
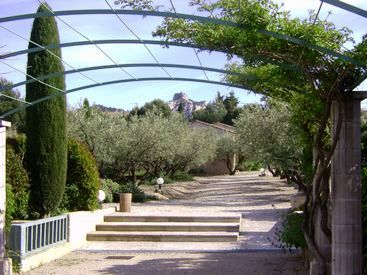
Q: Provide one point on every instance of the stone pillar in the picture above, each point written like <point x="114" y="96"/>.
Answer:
<point x="346" y="189"/>
<point x="5" y="263"/>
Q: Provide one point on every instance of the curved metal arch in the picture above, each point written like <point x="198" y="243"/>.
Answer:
<point x="347" y="7"/>
<point x="104" y="41"/>
<point x="117" y="82"/>
<point x="188" y="17"/>
<point x="132" y="65"/>
<point x="131" y="41"/>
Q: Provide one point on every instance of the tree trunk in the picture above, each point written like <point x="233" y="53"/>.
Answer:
<point x="271" y="170"/>
<point x="324" y="247"/>
<point x="231" y="169"/>
<point x="133" y="175"/>
<point x="346" y="190"/>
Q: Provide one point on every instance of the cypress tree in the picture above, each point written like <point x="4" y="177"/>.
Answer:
<point x="46" y="121"/>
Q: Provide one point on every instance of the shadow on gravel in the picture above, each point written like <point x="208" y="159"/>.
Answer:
<point x="259" y="263"/>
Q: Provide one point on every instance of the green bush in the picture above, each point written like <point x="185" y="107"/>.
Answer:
<point x="10" y="207"/>
<point x="18" y="144"/>
<point x="17" y="187"/>
<point x="138" y="195"/>
<point x="291" y="235"/>
<point x="82" y="182"/>
<point x="250" y="166"/>
<point x="182" y="176"/>
<point x="111" y="190"/>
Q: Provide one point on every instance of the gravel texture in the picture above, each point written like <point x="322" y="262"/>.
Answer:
<point x="260" y="201"/>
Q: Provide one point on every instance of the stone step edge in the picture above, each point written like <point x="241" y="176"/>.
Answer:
<point x="163" y="237"/>
<point x="157" y="233"/>
<point x="149" y="226"/>
<point x="144" y="218"/>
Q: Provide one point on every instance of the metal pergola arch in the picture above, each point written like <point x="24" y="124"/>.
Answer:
<point x="157" y="42"/>
<point x="188" y="17"/>
<point x="130" y="65"/>
<point x="345" y="168"/>
<point x="129" y="41"/>
<point x="117" y="82"/>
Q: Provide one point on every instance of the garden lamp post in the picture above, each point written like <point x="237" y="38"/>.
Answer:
<point x="160" y="181"/>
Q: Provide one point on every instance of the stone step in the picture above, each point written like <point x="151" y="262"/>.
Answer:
<point x="163" y="236"/>
<point x="168" y="226"/>
<point x="121" y="217"/>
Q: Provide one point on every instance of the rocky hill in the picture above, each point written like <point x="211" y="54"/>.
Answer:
<point x="188" y="106"/>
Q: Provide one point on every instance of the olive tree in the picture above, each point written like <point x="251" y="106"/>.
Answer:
<point x="100" y="131"/>
<point x="153" y="143"/>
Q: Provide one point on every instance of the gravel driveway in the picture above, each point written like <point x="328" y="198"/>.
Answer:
<point x="260" y="200"/>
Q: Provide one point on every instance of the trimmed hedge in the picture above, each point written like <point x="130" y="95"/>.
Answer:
<point x="82" y="182"/>
<point x="292" y="235"/>
<point x="17" y="187"/>
<point x="111" y="190"/>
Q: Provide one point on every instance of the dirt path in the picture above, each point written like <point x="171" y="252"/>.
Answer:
<point x="260" y="201"/>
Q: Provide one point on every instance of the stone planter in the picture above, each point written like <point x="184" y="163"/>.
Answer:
<point x="125" y="202"/>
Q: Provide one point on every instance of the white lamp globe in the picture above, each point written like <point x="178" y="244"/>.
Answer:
<point x="101" y="195"/>
<point x="160" y="181"/>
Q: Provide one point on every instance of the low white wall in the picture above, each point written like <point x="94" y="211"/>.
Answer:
<point x="83" y="222"/>
<point x="80" y="224"/>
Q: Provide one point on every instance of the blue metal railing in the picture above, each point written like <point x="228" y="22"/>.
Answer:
<point x="30" y="237"/>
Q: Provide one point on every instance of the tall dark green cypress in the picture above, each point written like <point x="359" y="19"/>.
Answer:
<point x="46" y="121"/>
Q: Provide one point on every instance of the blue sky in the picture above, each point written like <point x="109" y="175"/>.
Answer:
<point x="127" y="96"/>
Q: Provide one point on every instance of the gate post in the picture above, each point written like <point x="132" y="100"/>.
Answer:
<point x="346" y="188"/>
<point x="5" y="263"/>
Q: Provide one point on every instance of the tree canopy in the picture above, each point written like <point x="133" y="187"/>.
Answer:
<point x="11" y="99"/>
<point x="153" y="143"/>
<point x="157" y="106"/>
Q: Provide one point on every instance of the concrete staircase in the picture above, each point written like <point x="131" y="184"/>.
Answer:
<point x="122" y="227"/>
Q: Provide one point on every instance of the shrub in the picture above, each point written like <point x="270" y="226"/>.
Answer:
<point x="182" y="176"/>
<point x="250" y="166"/>
<point x="138" y="195"/>
<point x="82" y="182"/>
<point x="17" y="187"/>
<point x="18" y="144"/>
<point x="291" y="235"/>
<point x="10" y="207"/>
<point x="111" y="190"/>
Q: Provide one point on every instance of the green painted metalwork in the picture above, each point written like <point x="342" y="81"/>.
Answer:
<point x="109" y="41"/>
<point x="125" y="12"/>
<point x="358" y="82"/>
<point x="131" y="41"/>
<point x="188" y="17"/>
<point x="346" y="7"/>
<point x="22" y="107"/>
<point x="133" y="65"/>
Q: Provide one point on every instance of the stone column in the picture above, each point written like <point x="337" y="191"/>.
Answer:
<point x="5" y="264"/>
<point x="346" y="189"/>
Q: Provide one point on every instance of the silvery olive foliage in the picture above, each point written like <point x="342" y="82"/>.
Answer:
<point x="153" y="144"/>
